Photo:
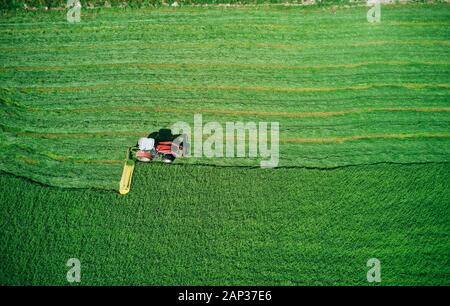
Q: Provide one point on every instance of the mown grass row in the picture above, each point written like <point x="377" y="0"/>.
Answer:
<point x="344" y="91"/>
<point x="190" y="225"/>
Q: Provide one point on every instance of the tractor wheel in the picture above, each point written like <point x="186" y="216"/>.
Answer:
<point x="168" y="158"/>
<point x="143" y="156"/>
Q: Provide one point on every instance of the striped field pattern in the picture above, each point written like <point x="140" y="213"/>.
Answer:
<point x="345" y="92"/>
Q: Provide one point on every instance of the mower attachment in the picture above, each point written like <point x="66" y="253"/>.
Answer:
<point x="168" y="151"/>
<point x="127" y="174"/>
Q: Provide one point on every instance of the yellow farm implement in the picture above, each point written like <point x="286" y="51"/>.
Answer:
<point x="127" y="174"/>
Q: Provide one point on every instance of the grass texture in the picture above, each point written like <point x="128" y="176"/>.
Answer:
<point x="201" y="225"/>
<point x="345" y="92"/>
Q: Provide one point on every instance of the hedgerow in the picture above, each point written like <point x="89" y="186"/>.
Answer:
<point x="20" y="4"/>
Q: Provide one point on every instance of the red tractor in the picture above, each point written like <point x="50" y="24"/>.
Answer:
<point x="156" y="145"/>
<point x="148" y="149"/>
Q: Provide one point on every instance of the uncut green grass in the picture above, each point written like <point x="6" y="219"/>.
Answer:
<point x="191" y="225"/>
<point x="61" y="79"/>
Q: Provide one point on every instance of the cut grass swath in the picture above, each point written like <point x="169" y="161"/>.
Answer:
<point x="344" y="91"/>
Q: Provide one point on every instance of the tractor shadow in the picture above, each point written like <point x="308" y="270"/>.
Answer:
<point x="163" y="135"/>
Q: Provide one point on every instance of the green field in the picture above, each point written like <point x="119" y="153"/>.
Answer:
<point x="364" y="116"/>
<point x="344" y="91"/>
<point x="188" y="225"/>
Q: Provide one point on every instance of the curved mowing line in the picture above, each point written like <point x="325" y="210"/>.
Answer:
<point x="231" y="43"/>
<point x="243" y="112"/>
<point x="360" y="137"/>
<point x="153" y="26"/>
<point x="282" y="140"/>
<point x="230" y="87"/>
<point x="82" y="135"/>
<point x="63" y="30"/>
<point x="219" y="65"/>
<point x="34" y="162"/>
<point x="210" y="8"/>
<point x="91" y="161"/>
<point x="418" y="24"/>
<point x="382" y="42"/>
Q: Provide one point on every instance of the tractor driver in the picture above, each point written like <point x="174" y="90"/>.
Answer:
<point x="146" y="149"/>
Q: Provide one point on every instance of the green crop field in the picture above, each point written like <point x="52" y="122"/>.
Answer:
<point x="187" y="225"/>
<point x="364" y="116"/>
